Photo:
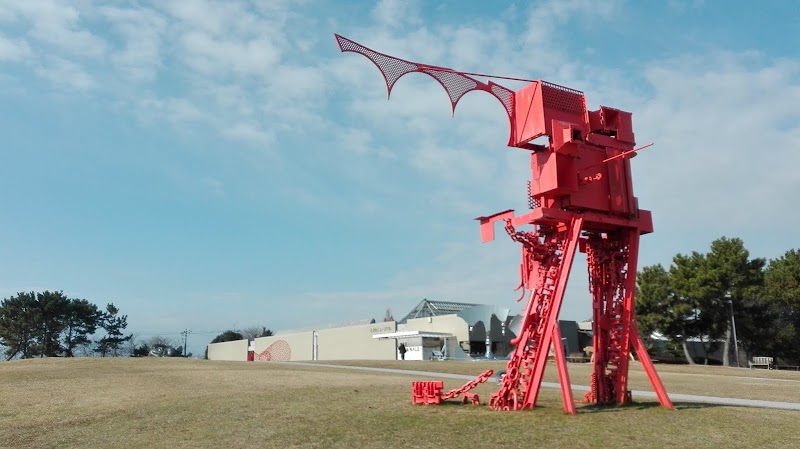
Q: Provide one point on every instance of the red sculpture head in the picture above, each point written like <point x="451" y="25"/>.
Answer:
<point x="574" y="171"/>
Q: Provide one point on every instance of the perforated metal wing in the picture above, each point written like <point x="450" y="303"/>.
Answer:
<point x="456" y="84"/>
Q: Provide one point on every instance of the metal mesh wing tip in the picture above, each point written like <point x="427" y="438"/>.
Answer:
<point x="456" y="84"/>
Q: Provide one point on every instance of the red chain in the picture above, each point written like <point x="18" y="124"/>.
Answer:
<point x="483" y="377"/>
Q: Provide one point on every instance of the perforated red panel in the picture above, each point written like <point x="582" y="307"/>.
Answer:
<point x="506" y="96"/>
<point x="563" y="98"/>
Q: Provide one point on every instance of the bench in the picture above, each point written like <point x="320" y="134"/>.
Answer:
<point x="766" y="362"/>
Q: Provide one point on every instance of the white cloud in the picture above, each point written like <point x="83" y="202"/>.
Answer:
<point x="58" y="25"/>
<point x="232" y="98"/>
<point x="142" y="30"/>
<point x="726" y="130"/>
<point x="453" y="165"/>
<point x="396" y="13"/>
<point x="203" y="15"/>
<point x="546" y="19"/>
<point x="356" y="140"/>
<point x="13" y="50"/>
<point x="178" y="111"/>
<point x="66" y="73"/>
<point x="292" y="83"/>
<point x="249" y="132"/>
<point x="217" y="56"/>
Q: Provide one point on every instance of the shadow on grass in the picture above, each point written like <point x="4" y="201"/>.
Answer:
<point x="591" y="408"/>
<point x="457" y="402"/>
<point x="594" y="408"/>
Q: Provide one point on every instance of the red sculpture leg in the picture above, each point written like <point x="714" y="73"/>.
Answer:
<point x="563" y="373"/>
<point x="607" y="256"/>
<point x="631" y="237"/>
<point x="612" y="258"/>
<point x="547" y="260"/>
<point x="647" y="364"/>
<point x="621" y="393"/>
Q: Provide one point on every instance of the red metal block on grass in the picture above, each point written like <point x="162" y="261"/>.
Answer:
<point x="430" y="392"/>
<point x="427" y="392"/>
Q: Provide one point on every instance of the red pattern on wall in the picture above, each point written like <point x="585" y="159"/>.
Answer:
<point x="278" y="351"/>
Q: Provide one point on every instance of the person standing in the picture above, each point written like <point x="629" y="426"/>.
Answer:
<point x="402" y="349"/>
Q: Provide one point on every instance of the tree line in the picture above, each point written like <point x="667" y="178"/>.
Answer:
<point x="700" y="297"/>
<point x="49" y="324"/>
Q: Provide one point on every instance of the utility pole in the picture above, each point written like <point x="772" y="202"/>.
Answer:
<point x="185" y="334"/>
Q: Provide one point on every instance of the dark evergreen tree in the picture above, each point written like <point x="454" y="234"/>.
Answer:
<point x="735" y="282"/>
<point x="81" y="322"/>
<point x="52" y="307"/>
<point x="113" y="324"/>
<point x="694" y="298"/>
<point x="19" y="318"/>
<point x="782" y="296"/>
<point x="228" y="335"/>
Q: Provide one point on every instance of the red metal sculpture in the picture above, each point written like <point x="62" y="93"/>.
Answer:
<point x="430" y="392"/>
<point x="581" y="198"/>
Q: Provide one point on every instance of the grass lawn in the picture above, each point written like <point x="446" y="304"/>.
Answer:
<point x="769" y="385"/>
<point x="175" y="403"/>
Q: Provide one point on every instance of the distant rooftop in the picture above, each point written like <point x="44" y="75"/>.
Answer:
<point x="428" y="308"/>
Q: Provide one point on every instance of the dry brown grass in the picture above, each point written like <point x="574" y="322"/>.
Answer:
<point x="769" y="385"/>
<point x="143" y="403"/>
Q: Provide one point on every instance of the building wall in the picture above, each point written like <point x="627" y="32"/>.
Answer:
<point x="285" y="347"/>
<point x="569" y="332"/>
<point x="228" y="350"/>
<point x="356" y="342"/>
<point x="341" y="343"/>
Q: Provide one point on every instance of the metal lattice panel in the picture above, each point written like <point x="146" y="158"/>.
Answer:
<point x="563" y="98"/>
<point x="454" y="83"/>
<point x="391" y="68"/>
<point x="505" y="95"/>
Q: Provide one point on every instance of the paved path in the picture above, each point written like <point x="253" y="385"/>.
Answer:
<point x="639" y="393"/>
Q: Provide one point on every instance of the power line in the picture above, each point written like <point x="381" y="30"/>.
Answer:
<point x="144" y="334"/>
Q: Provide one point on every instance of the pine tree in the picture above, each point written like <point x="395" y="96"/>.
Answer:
<point x="113" y="324"/>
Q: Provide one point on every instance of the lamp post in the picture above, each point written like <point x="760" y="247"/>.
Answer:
<point x="735" y="340"/>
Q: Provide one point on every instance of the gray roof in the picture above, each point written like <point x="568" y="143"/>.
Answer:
<point x="427" y="308"/>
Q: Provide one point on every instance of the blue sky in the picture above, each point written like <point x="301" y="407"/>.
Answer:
<point x="205" y="165"/>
